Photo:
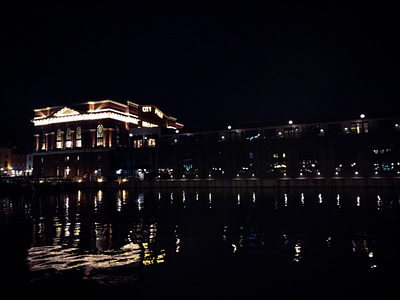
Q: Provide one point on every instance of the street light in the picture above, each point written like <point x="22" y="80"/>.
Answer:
<point x="362" y="116"/>
<point x="291" y="129"/>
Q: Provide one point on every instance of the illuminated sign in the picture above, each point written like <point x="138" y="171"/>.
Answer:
<point x="146" y="109"/>
<point x="159" y="113"/>
<point x="147" y="124"/>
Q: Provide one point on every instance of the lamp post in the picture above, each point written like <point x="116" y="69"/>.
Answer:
<point x="291" y="129"/>
<point x="362" y="116"/>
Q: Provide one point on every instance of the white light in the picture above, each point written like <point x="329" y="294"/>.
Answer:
<point x="290" y="122"/>
<point x="82" y="117"/>
<point x="362" y="116"/>
<point x="177" y="131"/>
<point x="229" y="127"/>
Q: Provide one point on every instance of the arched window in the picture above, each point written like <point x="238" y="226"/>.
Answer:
<point x="68" y="142"/>
<point x="58" y="139"/>
<point x="78" y="137"/>
<point x="99" y="135"/>
<point x="42" y="141"/>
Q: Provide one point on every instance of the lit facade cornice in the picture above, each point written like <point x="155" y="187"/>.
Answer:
<point x="104" y="114"/>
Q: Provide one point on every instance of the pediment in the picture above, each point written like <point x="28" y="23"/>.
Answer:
<point x="66" y="111"/>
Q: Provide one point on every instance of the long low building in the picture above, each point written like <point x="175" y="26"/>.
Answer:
<point x="105" y="140"/>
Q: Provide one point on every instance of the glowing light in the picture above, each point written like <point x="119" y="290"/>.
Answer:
<point x="159" y="113"/>
<point x="286" y="199"/>
<point x="320" y="198"/>
<point x="362" y="116"/>
<point x="66" y="112"/>
<point x="146" y="109"/>
<point x="358" y="201"/>
<point x="148" y="125"/>
<point x="234" y="248"/>
<point x="229" y="127"/>
<point x="84" y="117"/>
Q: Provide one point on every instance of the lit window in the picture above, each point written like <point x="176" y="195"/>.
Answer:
<point x="151" y="142"/>
<point x="67" y="158"/>
<point x="77" y="157"/>
<point x="67" y="169"/>
<point x="99" y="135"/>
<point x="137" y="144"/>
<point x="68" y="142"/>
<point x="359" y="128"/>
<point x="78" y="137"/>
<point x="58" y="139"/>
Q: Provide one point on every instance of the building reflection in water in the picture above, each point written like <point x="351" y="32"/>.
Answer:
<point x="98" y="230"/>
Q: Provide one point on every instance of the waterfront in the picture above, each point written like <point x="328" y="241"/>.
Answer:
<point x="202" y="243"/>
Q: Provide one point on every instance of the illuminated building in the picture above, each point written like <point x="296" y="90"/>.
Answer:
<point x="79" y="141"/>
<point x="93" y="140"/>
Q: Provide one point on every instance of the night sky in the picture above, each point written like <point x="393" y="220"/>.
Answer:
<point x="206" y="64"/>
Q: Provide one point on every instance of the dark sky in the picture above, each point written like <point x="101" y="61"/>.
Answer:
<point x="203" y="63"/>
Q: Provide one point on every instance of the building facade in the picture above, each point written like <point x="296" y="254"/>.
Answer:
<point x="6" y="155"/>
<point x="358" y="146"/>
<point x="79" y="141"/>
<point x="102" y="140"/>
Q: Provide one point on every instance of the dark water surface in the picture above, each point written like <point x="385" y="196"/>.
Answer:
<point x="202" y="243"/>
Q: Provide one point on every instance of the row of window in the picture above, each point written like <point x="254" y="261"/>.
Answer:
<point x="287" y="133"/>
<point x="78" y="137"/>
<point x="68" y="158"/>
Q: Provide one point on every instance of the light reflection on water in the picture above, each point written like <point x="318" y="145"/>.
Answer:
<point x="94" y="231"/>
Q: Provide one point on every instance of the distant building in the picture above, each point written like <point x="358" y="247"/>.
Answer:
<point x="6" y="155"/>
<point x="18" y="162"/>
<point x="79" y="141"/>
<point x="355" y="146"/>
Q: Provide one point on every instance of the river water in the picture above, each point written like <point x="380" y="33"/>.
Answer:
<point x="202" y="243"/>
